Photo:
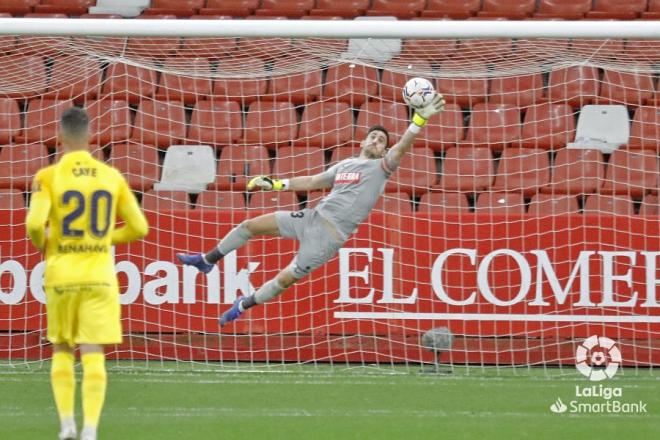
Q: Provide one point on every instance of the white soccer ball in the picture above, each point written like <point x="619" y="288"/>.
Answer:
<point x="418" y="92"/>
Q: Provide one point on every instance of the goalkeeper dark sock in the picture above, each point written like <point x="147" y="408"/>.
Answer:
<point x="213" y="256"/>
<point x="236" y="238"/>
<point x="247" y="302"/>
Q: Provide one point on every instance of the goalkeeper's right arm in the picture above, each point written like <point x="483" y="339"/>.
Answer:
<point x="301" y="183"/>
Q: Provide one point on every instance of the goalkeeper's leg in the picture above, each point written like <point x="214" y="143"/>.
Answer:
<point x="263" y="225"/>
<point x="267" y="292"/>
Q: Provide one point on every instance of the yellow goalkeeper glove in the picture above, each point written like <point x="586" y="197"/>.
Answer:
<point x="267" y="184"/>
<point x="422" y="115"/>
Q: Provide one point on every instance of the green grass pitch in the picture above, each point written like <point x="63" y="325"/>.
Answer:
<point x="301" y="402"/>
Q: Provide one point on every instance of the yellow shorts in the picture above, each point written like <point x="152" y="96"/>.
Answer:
<point x="83" y="314"/>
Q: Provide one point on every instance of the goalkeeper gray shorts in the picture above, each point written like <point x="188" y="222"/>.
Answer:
<point x="318" y="242"/>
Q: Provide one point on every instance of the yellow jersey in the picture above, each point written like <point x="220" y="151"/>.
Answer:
<point x="79" y="198"/>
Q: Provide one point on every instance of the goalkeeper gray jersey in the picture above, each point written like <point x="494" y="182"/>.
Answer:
<point x="358" y="183"/>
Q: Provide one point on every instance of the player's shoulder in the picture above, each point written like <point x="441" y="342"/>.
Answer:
<point x="45" y="173"/>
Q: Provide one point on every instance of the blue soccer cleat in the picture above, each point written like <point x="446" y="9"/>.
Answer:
<point x="231" y="314"/>
<point x="196" y="260"/>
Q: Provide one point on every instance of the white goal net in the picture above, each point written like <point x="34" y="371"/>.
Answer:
<point x="524" y="219"/>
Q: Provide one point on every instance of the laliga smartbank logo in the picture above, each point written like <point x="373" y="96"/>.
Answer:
<point x="598" y="358"/>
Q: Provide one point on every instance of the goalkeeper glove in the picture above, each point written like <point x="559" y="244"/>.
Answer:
<point x="267" y="184"/>
<point x="423" y="114"/>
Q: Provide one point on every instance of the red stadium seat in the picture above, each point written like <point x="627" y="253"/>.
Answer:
<point x="326" y="125"/>
<point x="608" y="205"/>
<point x="391" y="115"/>
<point x="650" y="205"/>
<point x="467" y="170"/>
<point x="553" y="204"/>
<point x="520" y="90"/>
<point x="351" y="83"/>
<point x="288" y="8"/>
<point x="243" y="91"/>
<point x="109" y="120"/>
<point x="549" y="126"/>
<point x="524" y="170"/>
<point x="298" y="161"/>
<point x="575" y="85"/>
<point x="10" y="120"/>
<point x="431" y="50"/>
<point x="274" y="201"/>
<point x="577" y="171"/>
<point x="271" y="123"/>
<point x="11" y="199"/>
<point x="500" y="203"/>
<point x="645" y="129"/>
<point x="189" y="89"/>
<point x="443" y="202"/>
<point x="160" y="123"/>
<point x="643" y="50"/>
<point x="19" y="163"/>
<point x="22" y="76"/>
<point x="207" y="47"/>
<point x="631" y="172"/>
<point x="626" y="88"/>
<point x="616" y="9"/>
<point x="224" y="200"/>
<point x="454" y="9"/>
<point x="107" y="45"/>
<point x="514" y="9"/>
<point x="18" y="7"/>
<point x="7" y="42"/>
<point x="79" y="84"/>
<point x="128" y="82"/>
<point x="542" y="51"/>
<point x="138" y="163"/>
<point x="238" y="164"/>
<point x="154" y="47"/>
<point x="180" y="8"/>
<point x="484" y="48"/>
<point x="67" y="7"/>
<point x="444" y="130"/>
<point x="216" y="123"/>
<point x="341" y="8"/>
<point x="465" y="92"/>
<point x="653" y="12"/>
<point x="160" y="201"/>
<point x="298" y="88"/>
<point x="392" y="81"/>
<point x="584" y="47"/>
<point x="566" y="9"/>
<point x="42" y="120"/>
<point x="394" y="203"/>
<point x="416" y="173"/>
<point x="493" y="125"/>
<point x="234" y="8"/>
<point x="399" y="8"/>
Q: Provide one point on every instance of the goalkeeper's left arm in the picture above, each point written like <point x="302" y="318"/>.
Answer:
<point x="419" y="120"/>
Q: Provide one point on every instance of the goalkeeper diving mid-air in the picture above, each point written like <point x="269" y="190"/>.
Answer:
<point x="356" y="184"/>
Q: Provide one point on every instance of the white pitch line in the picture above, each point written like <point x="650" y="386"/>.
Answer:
<point x="497" y="317"/>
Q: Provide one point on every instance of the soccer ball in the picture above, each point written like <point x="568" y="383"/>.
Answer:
<point x="418" y="92"/>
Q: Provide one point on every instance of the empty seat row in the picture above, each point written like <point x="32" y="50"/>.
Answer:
<point x="322" y="124"/>
<point x="24" y="76"/>
<point x="400" y="203"/>
<point x="600" y="9"/>
<point x="470" y="170"/>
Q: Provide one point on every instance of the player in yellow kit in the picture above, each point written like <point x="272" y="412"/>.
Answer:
<point x="72" y="216"/>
